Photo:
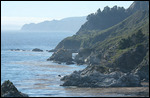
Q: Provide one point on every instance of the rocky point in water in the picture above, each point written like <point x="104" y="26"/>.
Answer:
<point x="17" y="50"/>
<point x="37" y="50"/>
<point x="121" y="47"/>
<point x="90" y="77"/>
<point x="9" y="90"/>
<point x="62" y="56"/>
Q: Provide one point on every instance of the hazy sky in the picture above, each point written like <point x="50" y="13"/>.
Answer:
<point x="16" y="13"/>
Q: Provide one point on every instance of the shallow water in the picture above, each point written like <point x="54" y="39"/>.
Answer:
<point x="36" y="77"/>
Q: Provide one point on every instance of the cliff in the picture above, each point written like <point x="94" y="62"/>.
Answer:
<point x="121" y="46"/>
<point x="99" y="21"/>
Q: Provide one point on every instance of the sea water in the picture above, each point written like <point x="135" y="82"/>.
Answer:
<point x="31" y="73"/>
<point x="28" y="70"/>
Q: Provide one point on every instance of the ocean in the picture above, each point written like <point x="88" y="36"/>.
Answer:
<point x="28" y="70"/>
<point x="32" y="74"/>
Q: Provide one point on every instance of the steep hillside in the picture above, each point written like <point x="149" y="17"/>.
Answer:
<point x="110" y="16"/>
<point x="102" y="20"/>
<point x="112" y="39"/>
<point x="138" y="5"/>
<point x="122" y="47"/>
<point x="67" y="24"/>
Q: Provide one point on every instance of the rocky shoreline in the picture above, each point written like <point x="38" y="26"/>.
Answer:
<point x="9" y="90"/>
<point x="95" y="75"/>
<point x="62" y="56"/>
<point x="117" y="55"/>
<point x="97" y="79"/>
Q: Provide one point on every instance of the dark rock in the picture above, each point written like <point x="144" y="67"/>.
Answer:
<point x="79" y="60"/>
<point x="130" y="59"/>
<point x="62" y="55"/>
<point x="59" y="62"/>
<point x="9" y="90"/>
<point x="81" y="57"/>
<point x="53" y="50"/>
<point x="17" y="50"/>
<point x="37" y="50"/>
<point x="96" y="79"/>
<point x="127" y="80"/>
<point x="92" y="59"/>
<point x="138" y="5"/>
<point x="143" y="68"/>
<point x="59" y="75"/>
<point x="69" y="63"/>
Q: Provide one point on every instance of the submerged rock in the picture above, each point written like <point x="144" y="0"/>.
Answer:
<point x="37" y="50"/>
<point x="62" y="55"/>
<point x="16" y="50"/>
<point x="9" y="90"/>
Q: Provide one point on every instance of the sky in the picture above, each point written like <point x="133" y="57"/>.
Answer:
<point x="14" y="14"/>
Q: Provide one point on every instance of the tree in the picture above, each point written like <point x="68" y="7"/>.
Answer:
<point x="90" y="16"/>
<point x="125" y="43"/>
<point x="133" y="40"/>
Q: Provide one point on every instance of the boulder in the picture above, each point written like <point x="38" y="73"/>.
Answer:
<point x="62" y="55"/>
<point x="37" y="50"/>
<point x="9" y="90"/>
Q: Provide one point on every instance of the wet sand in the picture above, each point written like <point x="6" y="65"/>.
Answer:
<point x="110" y="92"/>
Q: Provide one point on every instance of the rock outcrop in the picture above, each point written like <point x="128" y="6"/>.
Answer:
<point x="97" y="79"/>
<point x="130" y="59"/>
<point x="37" y="50"/>
<point x="86" y="57"/>
<point x="9" y="90"/>
<point x="16" y="50"/>
<point x="61" y="56"/>
<point x="52" y="50"/>
<point x="138" y="5"/>
<point x="143" y="68"/>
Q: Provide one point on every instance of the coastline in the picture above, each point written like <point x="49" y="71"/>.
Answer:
<point x="111" y="91"/>
<point x="50" y="86"/>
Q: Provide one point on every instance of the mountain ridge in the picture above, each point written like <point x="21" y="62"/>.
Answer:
<point x="66" y="24"/>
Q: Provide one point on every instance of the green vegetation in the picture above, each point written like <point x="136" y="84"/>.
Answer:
<point x="100" y="68"/>
<point x="103" y="19"/>
<point x="130" y="41"/>
<point x="114" y="38"/>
